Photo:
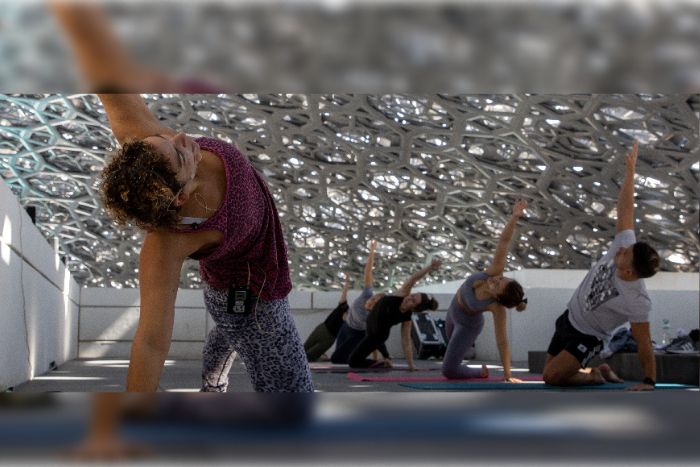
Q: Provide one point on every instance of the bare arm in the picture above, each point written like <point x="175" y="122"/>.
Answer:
<point x="500" y="321"/>
<point x="415" y="277"/>
<point x="103" y="61"/>
<point x="369" y="280"/>
<point x="641" y="334"/>
<point x="407" y="344"/>
<point x="129" y="117"/>
<point x="344" y="293"/>
<point x="499" y="257"/>
<point x="625" y="200"/>
<point x="162" y="256"/>
<point x="103" y="441"/>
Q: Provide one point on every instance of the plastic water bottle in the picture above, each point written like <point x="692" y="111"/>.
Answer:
<point x="666" y="327"/>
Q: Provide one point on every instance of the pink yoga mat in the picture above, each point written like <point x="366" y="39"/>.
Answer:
<point x="429" y="379"/>
<point x="338" y="368"/>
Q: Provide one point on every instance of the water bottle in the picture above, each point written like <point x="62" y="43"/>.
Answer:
<point x="666" y="326"/>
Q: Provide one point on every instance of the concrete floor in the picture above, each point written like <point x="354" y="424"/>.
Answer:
<point x="350" y="423"/>
<point x="108" y="375"/>
<point x="373" y="428"/>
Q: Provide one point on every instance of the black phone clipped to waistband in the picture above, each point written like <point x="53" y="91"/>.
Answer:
<point x="240" y="301"/>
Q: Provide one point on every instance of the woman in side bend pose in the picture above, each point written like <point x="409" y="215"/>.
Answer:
<point x="323" y="336"/>
<point x="202" y="199"/>
<point x="353" y="329"/>
<point x="195" y="198"/>
<point x="481" y="292"/>
<point x="391" y="310"/>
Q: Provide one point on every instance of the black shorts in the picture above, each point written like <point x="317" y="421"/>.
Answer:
<point x="567" y="337"/>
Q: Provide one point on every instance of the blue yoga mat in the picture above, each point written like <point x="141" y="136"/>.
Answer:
<point x="527" y="386"/>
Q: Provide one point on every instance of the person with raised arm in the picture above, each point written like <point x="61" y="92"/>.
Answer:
<point x="323" y="336"/>
<point x="196" y="198"/>
<point x="612" y="293"/>
<point x="201" y="198"/>
<point x="105" y="63"/>
<point x="389" y="311"/>
<point x="487" y="291"/>
<point x="353" y="329"/>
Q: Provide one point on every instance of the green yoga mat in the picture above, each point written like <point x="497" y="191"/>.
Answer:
<point x="529" y="386"/>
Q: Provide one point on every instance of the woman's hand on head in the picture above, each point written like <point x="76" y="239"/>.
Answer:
<point x="435" y="264"/>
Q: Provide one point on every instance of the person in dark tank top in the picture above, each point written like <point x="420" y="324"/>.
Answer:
<point x="389" y="311"/>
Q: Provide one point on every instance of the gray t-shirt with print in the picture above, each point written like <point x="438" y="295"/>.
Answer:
<point x="357" y="316"/>
<point x="603" y="301"/>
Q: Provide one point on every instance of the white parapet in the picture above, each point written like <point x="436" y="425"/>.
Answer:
<point x="40" y="300"/>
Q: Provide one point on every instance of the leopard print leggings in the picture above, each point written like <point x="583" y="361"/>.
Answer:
<point x="267" y="341"/>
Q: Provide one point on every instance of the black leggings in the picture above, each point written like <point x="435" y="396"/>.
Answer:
<point x="371" y="342"/>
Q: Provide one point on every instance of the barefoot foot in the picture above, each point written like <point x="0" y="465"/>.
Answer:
<point x="596" y="377"/>
<point x="608" y="374"/>
<point x="484" y="372"/>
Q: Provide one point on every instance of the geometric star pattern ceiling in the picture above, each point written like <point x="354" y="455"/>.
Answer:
<point x="424" y="175"/>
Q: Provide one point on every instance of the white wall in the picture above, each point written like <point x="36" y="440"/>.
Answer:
<point x="39" y="301"/>
<point x="108" y="319"/>
<point x="109" y="316"/>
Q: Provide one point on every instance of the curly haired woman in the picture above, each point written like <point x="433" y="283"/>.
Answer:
<point x="202" y="199"/>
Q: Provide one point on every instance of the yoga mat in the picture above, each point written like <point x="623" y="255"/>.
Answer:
<point x="473" y="386"/>
<point x="353" y="376"/>
<point x="319" y="367"/>
<point x="346" y="369"/>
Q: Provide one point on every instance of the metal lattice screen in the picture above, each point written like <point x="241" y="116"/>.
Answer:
<point x="423" y="175"/>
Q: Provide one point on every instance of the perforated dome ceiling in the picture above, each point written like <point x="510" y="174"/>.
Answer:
<point x="424" y="175"/>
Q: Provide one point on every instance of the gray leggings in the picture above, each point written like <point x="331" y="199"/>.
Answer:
<point x="267" y="341"/>
<point x="462" y="331"/>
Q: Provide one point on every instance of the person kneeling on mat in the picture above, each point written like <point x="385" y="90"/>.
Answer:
<point x="391" y="310"/>
<point x="611" y="294"/>
<point x="323" y="336"/>
<point x="481" y="292"/>
<point x="353" y="329"/>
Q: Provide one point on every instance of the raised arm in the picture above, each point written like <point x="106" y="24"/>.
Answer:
<point x="162" y="256"/>
<point x="103" y="61"/>
<point x="625" y="200"/>
<point x="344" y="293"/>
<point x="415" y="277"/>
<point x="499" y="257"/>
<point x="129" y="117"/>
<point x="369" y="279"/>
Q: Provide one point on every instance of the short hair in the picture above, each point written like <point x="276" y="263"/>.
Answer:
<point x="139" y="186"/>
<point x="513" y="296"/>
<point x="645" y="260"/>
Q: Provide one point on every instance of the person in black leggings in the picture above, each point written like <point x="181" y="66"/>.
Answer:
<point x="323" y="336"/>
<point x="391" y="310"/>
<point x="353" y="329"/>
